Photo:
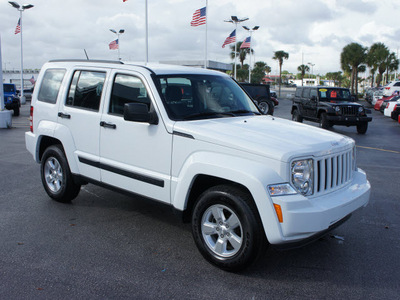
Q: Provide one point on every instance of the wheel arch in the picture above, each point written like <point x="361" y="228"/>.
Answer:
<point x="203" y="182"/>
<point x="45" y="142"/>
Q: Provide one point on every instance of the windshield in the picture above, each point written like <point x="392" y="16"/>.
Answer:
<point x="194" y="97"/>
<point x="334" y="94"/>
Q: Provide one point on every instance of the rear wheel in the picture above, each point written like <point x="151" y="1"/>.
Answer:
<point x="362" y="127"/>
<point x="56" y="175"/>
<point x="227" y="229"/>
<point x="266" y="106"/>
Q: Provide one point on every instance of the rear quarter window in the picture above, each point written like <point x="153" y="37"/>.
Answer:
<point x="50" y="85"/>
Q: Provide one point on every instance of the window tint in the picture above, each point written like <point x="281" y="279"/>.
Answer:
<point x="306" y="93"/>
<point x="192" y="97"/>
<point x="9" y="88"/>
<point x="50" y="85"/>
<point x="327" y="94"/>
<point x="127" y="89"/>
<point x="298" y="92"/>
<point x="313" y="93"/>
<point x="85" y="90"/>
<point x="397" y="84"/>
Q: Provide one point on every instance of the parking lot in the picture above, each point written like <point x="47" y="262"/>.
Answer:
<point x="109" y="246"/>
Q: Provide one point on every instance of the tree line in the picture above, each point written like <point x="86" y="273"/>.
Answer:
<point x="354" y="59"/>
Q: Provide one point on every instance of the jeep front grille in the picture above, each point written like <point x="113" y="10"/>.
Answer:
<point x="349" y="110"/>
<point x="333" y="172"/>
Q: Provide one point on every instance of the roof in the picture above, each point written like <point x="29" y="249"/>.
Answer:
<point x="158" y="69"/>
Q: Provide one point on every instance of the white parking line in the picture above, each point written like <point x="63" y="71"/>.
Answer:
<point x="372" y="148"/>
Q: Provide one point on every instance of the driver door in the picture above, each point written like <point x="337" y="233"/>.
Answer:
<point x="134" y="156"/>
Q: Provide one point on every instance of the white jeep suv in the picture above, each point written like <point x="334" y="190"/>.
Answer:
<point x="193" y="139"/>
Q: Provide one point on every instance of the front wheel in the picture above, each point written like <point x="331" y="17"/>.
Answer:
<point x="296" y="116"/>
<point x="227" y="229"/>
<point x="56" y="176"/>
<point x="362" y="127"/>
<point x="323" y="121"/>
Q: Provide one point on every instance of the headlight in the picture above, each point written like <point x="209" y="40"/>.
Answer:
<point x="337" y="109"/>
<point x="282" y="189"/>
<point x="360" y="109"/>
<point x="302" y="176"/>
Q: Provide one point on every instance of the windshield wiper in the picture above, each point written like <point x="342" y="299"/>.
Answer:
<point x="244" y="111"/>
<point x="208" y="114"/>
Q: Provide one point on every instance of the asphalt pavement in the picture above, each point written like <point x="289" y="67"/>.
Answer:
<point x="109" y="246"/>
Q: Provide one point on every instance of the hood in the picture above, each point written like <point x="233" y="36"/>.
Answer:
<point x="267" y="136"/>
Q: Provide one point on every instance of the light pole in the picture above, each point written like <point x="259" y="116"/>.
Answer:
<point x="235" y="20"/>
<point x="121" y="31"/>
<point x="251" y="31"/>
<point x="312" y="68"/>
<point x="21" y="8"/>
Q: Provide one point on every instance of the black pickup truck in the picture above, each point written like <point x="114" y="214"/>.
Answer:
<point x="329" y="106"/>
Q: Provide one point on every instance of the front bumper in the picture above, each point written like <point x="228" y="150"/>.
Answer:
<point x="305" y="217"/>
<point x="348" y="120"/>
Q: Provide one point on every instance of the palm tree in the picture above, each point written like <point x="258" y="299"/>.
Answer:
<point x="241" y="53"/>
<point x="279" y="56"/>
<point x="392" y="64"/>
<point x="303" y="69"/>
<point x="352" y="56"/>
<point x="376" y="57"/>
<point x="258" y="72"/>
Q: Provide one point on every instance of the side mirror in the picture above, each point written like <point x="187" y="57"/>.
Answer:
<point x="138" y="112"/>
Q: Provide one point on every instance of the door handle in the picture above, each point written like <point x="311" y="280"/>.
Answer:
<point x="64" y="116"/>
<point x="108" y="125"/>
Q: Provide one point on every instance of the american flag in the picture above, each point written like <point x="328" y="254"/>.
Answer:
<point x="18" y="28"/>
<point x="113" y="45"/>
<point x="230" y="39"/>
<point x="246" y="43"/>
<point x="32" y="80"/>
<point x="199" y="17"/>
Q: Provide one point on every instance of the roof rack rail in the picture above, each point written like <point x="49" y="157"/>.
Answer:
<point x="88" y="60"/>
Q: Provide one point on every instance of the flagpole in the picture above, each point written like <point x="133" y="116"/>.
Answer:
<point x="205" y="60"/>
<point x="147" y="33"/>
<point x="23" y="101"/>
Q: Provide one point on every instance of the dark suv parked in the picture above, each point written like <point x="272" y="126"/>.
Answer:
<point x="329" y="106"/>
<point x="11" y="100"/>
<point x="261" y="95"/>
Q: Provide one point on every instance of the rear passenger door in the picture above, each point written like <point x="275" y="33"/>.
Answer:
<point x="135" y="156"/>
<point x="80" y="115"/>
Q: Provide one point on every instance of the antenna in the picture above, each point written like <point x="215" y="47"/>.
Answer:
<point x="87" y="57"/>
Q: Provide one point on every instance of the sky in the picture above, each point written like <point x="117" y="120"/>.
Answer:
<point x="311" y="31"/>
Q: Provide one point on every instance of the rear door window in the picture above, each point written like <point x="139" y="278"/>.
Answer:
<point x="86" y="89"/>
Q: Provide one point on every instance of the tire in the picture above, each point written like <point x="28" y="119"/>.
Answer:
<point x="56" y="176"/>
<point x="227" y="229"/>
<point x="16" y="111"/>
<point x="266" y="106"/>
<point x="296" y="116"/>
<point x="323" y="121"/>
<point x="362" y="127"/>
